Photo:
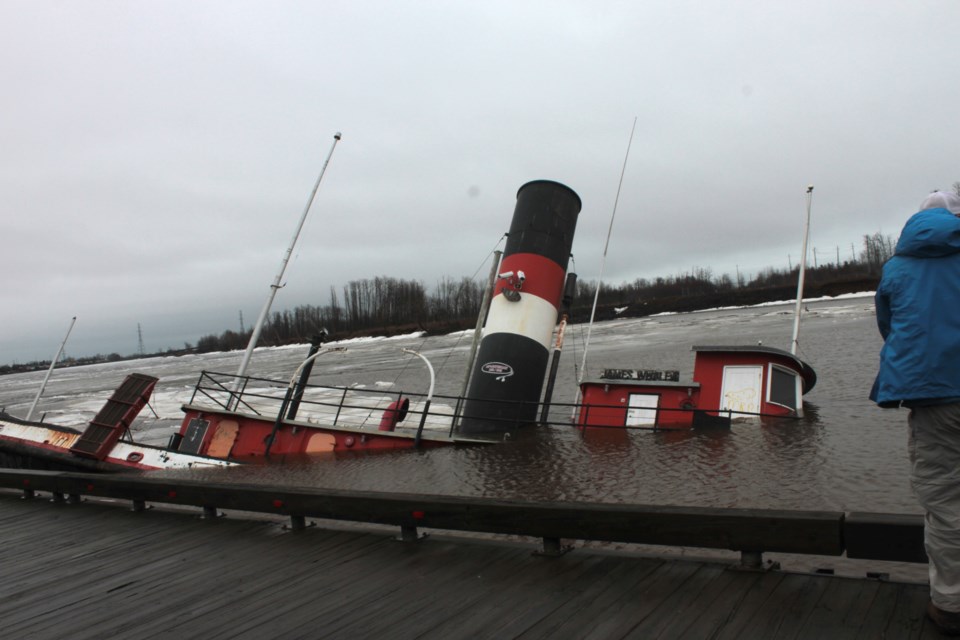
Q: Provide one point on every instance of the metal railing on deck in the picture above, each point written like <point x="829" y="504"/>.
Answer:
<point x="362" y="407"/>
<point x="351" y="406"/>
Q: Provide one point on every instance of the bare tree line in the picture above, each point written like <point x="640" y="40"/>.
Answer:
<point x="382" y="305"/>
<point x="386" y="305"/>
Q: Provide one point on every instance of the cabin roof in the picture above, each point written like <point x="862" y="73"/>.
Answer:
<point x="806" y="371"/>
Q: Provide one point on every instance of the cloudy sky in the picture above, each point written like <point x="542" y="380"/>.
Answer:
<point x="155" y="157"/>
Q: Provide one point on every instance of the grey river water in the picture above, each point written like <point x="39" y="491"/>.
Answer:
<point x="845" y="454"/>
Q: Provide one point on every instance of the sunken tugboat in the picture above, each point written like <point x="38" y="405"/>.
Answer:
<point x="233" y="419"/>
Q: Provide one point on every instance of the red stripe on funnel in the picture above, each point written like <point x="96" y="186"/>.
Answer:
<point x="543" y="277"/>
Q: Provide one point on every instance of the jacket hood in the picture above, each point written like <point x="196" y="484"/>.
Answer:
<point x="942" y="200"/>
<point x="932" y="233"/>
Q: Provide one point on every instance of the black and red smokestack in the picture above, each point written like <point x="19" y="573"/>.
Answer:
<point x="512" y="359"/>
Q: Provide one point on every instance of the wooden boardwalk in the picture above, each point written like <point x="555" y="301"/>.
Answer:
<point x="100" y="570"/>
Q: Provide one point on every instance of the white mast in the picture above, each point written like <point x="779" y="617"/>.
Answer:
<point x="53" y="363"/>
<point x="603" y="263"/>
<point x="803" y="266"/>
<point x="255" y="336"/>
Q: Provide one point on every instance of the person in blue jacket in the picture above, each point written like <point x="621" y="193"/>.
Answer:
<point x="918" y="313"/>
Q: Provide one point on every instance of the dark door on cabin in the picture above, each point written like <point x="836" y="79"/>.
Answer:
<point x="193" y="438"/>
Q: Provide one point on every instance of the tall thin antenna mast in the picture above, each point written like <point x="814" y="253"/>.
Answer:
<point x="603" y="261"/>
<point x="255" y="336"/>
<point x="53" y="363"/>
<point x="803" y="266"/>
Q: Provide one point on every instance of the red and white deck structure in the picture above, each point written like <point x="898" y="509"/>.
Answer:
<point x="730" y="383"/>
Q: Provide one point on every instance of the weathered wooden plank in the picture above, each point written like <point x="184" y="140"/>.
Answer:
<point x="674" y="612"/>
<point x="530" y="605"/>
<point x="242" y="592"/>
<point x="426" y="598"/>
<point x="907" y="619"/>
<point x="228" y="578"/>
<point x="751" y="607"/>
<point x="717" y="612"/>
<point x="613" y="577"/>
<point x="170" y="574"/>
<point x="77" y="585"/>
<point x="505" y="597"/>
<point x="630" y="608"/>
<point x="378" y="593"/>
<point x="382" y="576"/>
<point x="845" y="600"/>
<point x="696" y="609"/>
<point x="453" y="611"/>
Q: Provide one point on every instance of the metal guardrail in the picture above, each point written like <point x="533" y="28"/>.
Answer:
<point x="752" y="532"/>
<point x="264" y="396"/>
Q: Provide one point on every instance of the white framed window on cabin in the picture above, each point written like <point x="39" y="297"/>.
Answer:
<point x="642" y="409"/>
<point x="784" y="387"/>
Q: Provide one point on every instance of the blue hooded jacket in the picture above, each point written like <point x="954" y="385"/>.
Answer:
<point x="918" y="313"/>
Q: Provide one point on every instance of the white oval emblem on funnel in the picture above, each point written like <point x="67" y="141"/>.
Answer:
<point x="499" y="369"/>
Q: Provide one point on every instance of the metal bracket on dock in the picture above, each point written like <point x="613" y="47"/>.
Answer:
<point x="409" y="534"/>
<point x="552" y="547"/>
<point x="211" y="513"/>
<point x="753" y="561"/>
<point x="298" y="523"/>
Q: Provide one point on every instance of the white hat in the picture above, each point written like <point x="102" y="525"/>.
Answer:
<point x="942" y="200"/>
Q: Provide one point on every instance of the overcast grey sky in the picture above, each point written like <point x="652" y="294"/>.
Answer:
<point x="156" y="156"/>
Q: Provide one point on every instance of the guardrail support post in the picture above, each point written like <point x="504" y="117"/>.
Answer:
<point x="298" y="523"/>
<point x="139" y="505"/>
<point x="752" y="560"/>
<point x="28" y="494"/>
<point x="408" y="534"/>
<point x="552" y="547"/>
<point x="209" y="513"/>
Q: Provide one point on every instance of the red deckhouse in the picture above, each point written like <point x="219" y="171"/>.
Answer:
<point x="729" y="383"/>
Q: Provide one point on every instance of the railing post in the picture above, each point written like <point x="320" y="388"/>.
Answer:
<point x="343" y="399"/>
<point x="423" y="421"/>
<point x="193" y="395"/>
<point x="456" y="416"/>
